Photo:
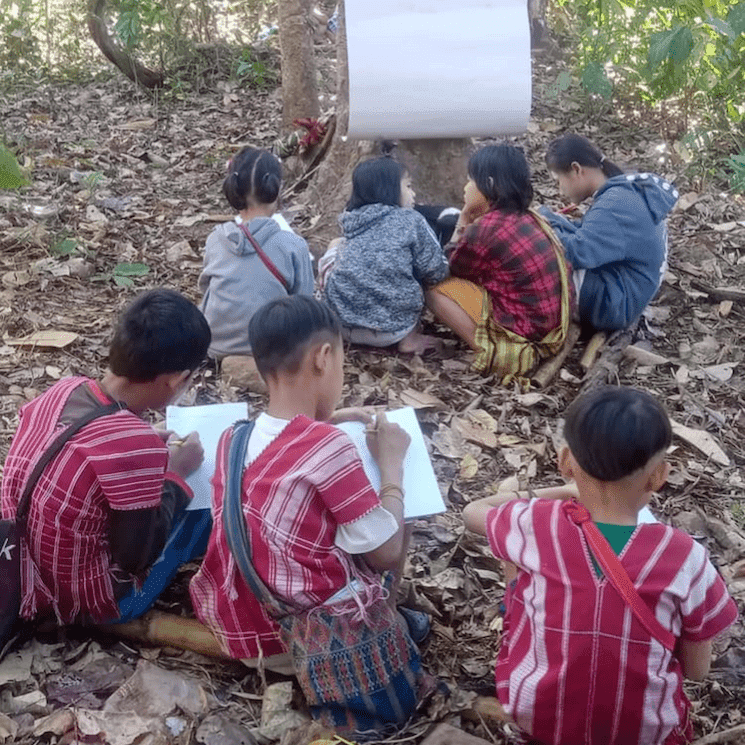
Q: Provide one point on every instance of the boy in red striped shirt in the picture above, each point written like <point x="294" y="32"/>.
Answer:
<point x="576" y="666"/>
<point x="109" y="502"/>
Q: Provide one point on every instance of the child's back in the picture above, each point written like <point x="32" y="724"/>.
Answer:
<point x="573" y="641"/>
<point x="250" y="264"/>
<point x="376" y="283"/>
<point x="236" y="282"/>
<point x="595" y="656"/>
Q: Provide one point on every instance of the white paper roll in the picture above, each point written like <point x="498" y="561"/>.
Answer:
<point x="438" y="68"/>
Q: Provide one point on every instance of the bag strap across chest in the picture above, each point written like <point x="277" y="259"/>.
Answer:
<point x="236" y="530"/>
<point x="268" y="263"/>
<point x="617" y="574"/>
<point x="25" y="501"/>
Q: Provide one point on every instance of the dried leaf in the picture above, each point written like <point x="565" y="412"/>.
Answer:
<point x="468" y="467"/>
<point x="16" y="278"/>
<point x="701" y="440"/>
<point x="8" y="728"/>
<point x="472" y="428"/>
<point x="420" y="399"/>
<point x="48" y="339"/>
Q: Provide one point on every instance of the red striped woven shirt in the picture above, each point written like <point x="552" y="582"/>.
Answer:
<point x="306" y="482"/>
<point x="116" y="462"/>
<point x="512" y="258"/>
<point x="575" y="665"/>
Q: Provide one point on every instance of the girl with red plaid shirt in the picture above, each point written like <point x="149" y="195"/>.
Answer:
<point x="509" y="297"/>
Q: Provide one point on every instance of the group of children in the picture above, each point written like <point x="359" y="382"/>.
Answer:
<point x="508" y="282"/>
<point x="301" y="563"/>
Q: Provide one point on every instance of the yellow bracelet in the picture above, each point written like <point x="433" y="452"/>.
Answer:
<point x="389" y="490"/>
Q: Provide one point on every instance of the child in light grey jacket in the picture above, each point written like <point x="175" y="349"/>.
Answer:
<point x="253" y="260"/>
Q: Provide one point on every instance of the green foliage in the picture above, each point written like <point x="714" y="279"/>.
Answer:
<point x="254" y="72"/>
<point x="691" y="51"/>
<point x="123" y="273"/>
<point x="10" y="172"/>
<point x="737" y="164"/>
<point x="64" y="247"/>
<point x="687" y="54"/>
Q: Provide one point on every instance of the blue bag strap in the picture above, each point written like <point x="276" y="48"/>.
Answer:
<point x="236" y="532"/>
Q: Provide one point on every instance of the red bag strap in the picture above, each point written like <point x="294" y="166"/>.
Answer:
<point x="267" y="261"/>
<point x="617" y="575"/>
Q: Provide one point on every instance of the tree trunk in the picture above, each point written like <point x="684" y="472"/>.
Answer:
<point x="329" y="191"/>
<point x="136" y="72"/>
<point x="299" y="84"/>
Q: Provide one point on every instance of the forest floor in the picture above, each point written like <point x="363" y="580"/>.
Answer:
<point x="120" y="178"/>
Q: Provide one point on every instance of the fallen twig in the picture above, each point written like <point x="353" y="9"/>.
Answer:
<point x="726" y="735"/>
<point x="545" y="373"/>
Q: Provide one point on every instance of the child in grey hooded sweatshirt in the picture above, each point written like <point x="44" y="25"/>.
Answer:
<point x="250" y="263"/>
<point x="388" y="256"/>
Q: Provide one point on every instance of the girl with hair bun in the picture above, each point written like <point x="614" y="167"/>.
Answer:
<point x="250" y="261"/>
<point x="619" y="248"/>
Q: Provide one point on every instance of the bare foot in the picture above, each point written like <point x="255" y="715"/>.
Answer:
<point x="416" y="343"/>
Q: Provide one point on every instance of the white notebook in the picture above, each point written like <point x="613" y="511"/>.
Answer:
<point x="421" y="493"/>
<point x="210" y="421"/>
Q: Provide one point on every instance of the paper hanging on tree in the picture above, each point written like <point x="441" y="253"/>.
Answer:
<point x="438" y="68"/>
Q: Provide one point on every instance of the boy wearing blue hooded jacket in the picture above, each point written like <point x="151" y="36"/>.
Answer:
<point x="619" y="249"/>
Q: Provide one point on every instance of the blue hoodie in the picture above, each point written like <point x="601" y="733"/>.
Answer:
<point x="622" y="244"/>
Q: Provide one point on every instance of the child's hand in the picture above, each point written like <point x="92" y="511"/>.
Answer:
<point x="186" y="455"/>
<point x="388" y="444"/>
<point x="364" y="414"/>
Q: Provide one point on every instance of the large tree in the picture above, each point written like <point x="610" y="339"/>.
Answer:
<point x="114" y="52"/>
<point x="299" y="83"/>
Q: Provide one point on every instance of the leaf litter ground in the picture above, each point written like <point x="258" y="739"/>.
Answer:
<point x="119" y="178"/>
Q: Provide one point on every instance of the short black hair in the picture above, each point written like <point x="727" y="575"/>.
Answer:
<point x="280" y="331"/>
<point x="573" y="148"/>
<point x="253" y="174"/>
<point x="159" y="332"/>
<point x="614" y="431"/>
<point x="376" y="181"/>
<point x="502" y="175"/>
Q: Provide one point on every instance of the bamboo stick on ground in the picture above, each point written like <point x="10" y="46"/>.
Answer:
<point x="168" y="630"/>
<point x="545" y="373"/>
<point x="591" y="350"/>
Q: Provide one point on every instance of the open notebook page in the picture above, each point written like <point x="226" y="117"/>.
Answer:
<point x="421" y="493"/>
<point x="210" y="421"/>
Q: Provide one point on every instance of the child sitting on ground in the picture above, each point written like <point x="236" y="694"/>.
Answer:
<point x="249" y="262"/>
<point x="510" y="297"/>
<point x="619" y="248"/>
<point x="375" y="277"/>
<point x="319" y="536"/>
<point x="104" y="507"/>
<point x="577" y="665"/>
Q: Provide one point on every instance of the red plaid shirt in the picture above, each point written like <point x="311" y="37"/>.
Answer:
<point x="575" y="665"/>
<point x="510" y="256"/>
<point x="117" y="462"/>
<point x="306" y="482"/>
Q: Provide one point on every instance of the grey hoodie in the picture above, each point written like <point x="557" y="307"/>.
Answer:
<point x="387" y="255"/>
<point x="622" y="244"/>
<point x="236" y="283"/>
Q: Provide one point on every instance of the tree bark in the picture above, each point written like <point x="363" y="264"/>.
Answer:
<point x="136" y="72"/>
<point x="299" y="84"/>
